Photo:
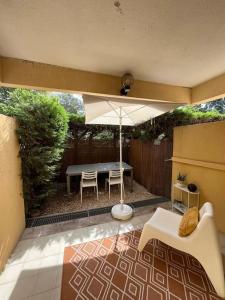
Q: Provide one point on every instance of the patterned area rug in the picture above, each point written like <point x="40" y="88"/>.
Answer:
<point x="113" y="268"/>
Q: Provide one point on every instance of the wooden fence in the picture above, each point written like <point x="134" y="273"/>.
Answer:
<point x="151" y="166"/>
<point x="90" y="152"/>
<point x="149" y="161"/>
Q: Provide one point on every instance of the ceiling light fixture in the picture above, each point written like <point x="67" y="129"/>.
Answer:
<point x="126" y="82"/>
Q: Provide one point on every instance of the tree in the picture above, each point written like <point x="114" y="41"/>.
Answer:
<point x="71" y="102"/>
<point x="5" y="94"/>
<point x="181" y="116"/>
<point x="218" y="105"/>
<point x="42" y="130"/>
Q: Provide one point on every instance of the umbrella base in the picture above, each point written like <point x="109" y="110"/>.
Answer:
<point x="122" y="211"/>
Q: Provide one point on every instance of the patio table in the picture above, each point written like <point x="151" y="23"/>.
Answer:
<point x="76" y="170"/>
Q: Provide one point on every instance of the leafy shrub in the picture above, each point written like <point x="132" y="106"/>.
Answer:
<point x="147" y="131"/>
<point x="42" y="130"/>
<point x="76" y="118"/>
<point x="181" y="116"/>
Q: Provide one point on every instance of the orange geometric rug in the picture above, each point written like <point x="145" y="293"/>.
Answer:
<point x="113" y="268"/>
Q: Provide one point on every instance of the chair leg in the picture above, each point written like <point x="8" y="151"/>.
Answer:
<point x="81" y="190"/>
<point x="145" y="237"/>
<point x="97" y="191"/>
<point x="109" y="191"/>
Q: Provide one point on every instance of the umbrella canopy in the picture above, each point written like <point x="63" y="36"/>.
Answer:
<point x="107" y="110"/>
<point x="122" y="111"/>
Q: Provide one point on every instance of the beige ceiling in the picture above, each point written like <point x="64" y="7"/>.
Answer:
<point x="177" y="42"/>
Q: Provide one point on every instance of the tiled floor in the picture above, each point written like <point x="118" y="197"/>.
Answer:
<point x="34" y="270"/>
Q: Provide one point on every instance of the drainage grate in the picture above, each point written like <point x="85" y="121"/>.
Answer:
<point x="34" y="222"/>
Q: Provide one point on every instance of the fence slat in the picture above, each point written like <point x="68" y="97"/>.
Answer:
<point x="150" y="168"/>
<point x="90" y="152"/>
<point x="148" y="160"/>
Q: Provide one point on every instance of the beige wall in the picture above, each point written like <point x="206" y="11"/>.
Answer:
<point x="199" y="152"/>
<point x="12" y="220"/>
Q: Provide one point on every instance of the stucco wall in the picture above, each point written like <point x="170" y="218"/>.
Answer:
<point x="12" y="220"/>
<point x="199" y="152"/>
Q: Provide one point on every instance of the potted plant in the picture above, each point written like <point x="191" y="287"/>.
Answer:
<point x="181" y="179"/>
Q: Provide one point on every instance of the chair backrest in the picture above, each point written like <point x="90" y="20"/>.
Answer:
<point x="206" y="223"/>
<point x="205" y="233"/>
<point x="207" y="208"/>
<point x="115" y="174"/>
<point x="89" y="175"/>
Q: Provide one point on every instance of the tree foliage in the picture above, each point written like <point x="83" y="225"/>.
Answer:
<point x="149" y="130"/>
<point x="71" y="102"/>
<point x="42" y="130"/>
<point x="5" y="94"/>
<point x="181" y="116"/>
<point x="79" y="130"/>
<point x="218" y="105"/>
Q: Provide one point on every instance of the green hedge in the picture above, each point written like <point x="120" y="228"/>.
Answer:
<point x="149" y="130"/>
<point x="42" y="130"/>
<point x="181" y="116"/>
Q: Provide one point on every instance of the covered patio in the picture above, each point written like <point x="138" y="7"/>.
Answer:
<point x="175" y="53"/>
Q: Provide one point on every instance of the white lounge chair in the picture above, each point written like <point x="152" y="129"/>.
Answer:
<point x="202" y="243"/>
<point x="88" y="179"/>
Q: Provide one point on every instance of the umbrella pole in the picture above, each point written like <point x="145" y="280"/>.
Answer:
<point x="121" y="211"/>
<point x="121" y="159"/>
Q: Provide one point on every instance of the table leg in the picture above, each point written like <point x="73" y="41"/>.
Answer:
<point x="173" y="197"/>
<point x="68" y="183"/>
<point x="131" y="180"/>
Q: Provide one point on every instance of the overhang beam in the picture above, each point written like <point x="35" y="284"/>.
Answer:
<point x="27" y="74"/>
<point x="209" y="90"/>
<point x="1" y="79"/>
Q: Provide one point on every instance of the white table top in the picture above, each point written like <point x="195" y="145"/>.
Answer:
<point x="99" y="167"/>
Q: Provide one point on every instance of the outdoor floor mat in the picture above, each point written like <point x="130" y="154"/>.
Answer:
<point x="113" y="268"/>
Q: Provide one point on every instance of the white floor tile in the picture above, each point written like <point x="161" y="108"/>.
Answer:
<point x="6" y="290"/>
<point x="11" y="273"/>
<point x="42" y="296"/>
<point x="56" y="294"/>
<point x="49" y="261"/>
<point x="145" y="218"/>
<point x="23" y="288"/>
<point x="16" y="258"/>
<point x="34" y="253"/>
<point x="30" y="268"/>
<point x="24" y="246"/>
<point x="53" y="294"/>
<point x="46" y="280"/>
<point x="59" y="276"/>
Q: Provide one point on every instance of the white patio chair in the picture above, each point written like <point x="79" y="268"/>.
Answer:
<point x="202" y="243"/>
<point x="114" y="179"/>
<point x="88" y="179"/>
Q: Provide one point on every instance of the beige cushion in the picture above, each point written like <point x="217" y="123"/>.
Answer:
<point x="189" y="222"/>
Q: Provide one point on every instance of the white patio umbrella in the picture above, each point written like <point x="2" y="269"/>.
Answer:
<point x="122" y="111"/>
